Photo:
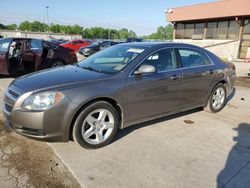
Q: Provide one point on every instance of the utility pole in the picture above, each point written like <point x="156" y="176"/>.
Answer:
<point x="47" y="7"/>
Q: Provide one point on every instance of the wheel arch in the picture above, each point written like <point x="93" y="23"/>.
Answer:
<point x="60" y="59"/>
<point x="109" y="100"/>
<point x="222" y="81"/>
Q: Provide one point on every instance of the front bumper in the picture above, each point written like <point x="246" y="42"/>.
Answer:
<point x="49" y="125"/>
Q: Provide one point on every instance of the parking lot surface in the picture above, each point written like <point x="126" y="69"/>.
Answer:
<point x="191" y="149"/>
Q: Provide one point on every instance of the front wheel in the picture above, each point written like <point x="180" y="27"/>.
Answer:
<point x="217" y="100"/>
<point x="96" y="125"/>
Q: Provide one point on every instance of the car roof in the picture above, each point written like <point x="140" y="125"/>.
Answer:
<point x="17" y="38"/>
<point x="158" y="44"/>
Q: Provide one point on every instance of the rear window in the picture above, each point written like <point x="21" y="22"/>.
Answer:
<point x="193" y="58"/>
<point x="4" y="44"/>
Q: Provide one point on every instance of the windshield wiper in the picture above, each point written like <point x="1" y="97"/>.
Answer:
<point x="96" y="70"/>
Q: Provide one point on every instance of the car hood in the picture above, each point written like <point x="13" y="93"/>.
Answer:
<point x="57" y="77"/>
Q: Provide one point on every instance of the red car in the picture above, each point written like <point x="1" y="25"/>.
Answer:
<point x="75" y="44"/>
<point x="24" y="55"/>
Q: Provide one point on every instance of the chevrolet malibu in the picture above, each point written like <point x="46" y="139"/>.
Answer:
<point x="120" y="86"/>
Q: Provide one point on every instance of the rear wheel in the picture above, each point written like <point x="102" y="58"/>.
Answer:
<point x="56" y="63"/>
<point x="217" y="100"/>
<point x="96" y="125"/>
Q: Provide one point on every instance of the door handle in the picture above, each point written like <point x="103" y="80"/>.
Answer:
<point x="175" y="77"/>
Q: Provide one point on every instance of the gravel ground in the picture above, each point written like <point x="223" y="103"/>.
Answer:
<point x="27" y="163"/>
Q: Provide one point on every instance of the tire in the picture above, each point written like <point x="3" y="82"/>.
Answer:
<point x="217" y="99"/>
<point x="56" y="63"/>
<point x="92" y="128"/>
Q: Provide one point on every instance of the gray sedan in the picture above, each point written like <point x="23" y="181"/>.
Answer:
<point x="120" y="86"/>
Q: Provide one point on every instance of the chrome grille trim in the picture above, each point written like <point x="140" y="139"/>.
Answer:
<point x="10" y="98"/>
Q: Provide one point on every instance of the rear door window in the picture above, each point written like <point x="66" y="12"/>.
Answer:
<point x="193" y="58"/>
<point x="35" y="44"/>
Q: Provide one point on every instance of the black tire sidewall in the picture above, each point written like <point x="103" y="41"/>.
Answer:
<point x="211" y="108"/>
<point x="77" y="136"/>
<point x="54" y="61"/>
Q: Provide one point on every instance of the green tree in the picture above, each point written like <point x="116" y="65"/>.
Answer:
<point x="163" y="33"/>
<point x="124" y="33"/>
<point x="55" y="28"/>
<point x="76" y="29"/>
<point x="86" y="33"/>
<point x="2" y="26"/>
<point x="11" y="27"/>
<point x="25" y="26"/>
<point x="114" y="34"/>
<point x="38" y="26"/>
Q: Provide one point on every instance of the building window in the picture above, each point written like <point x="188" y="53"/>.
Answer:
<point x="233" y="30"/>
<point x="198" y="31"/>
<point x="189" y="30"/>
<point x="179" y="31"/>
<point x="211" y="30"/>
<point x="246" y="29"/>
<point x="222" y="30"/>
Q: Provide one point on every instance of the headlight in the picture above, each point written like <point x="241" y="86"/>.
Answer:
<point x="42" y="101"/>
<point x="86" y="49"/>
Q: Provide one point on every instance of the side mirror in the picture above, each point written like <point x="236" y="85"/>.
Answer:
<point x="145" y="69"/>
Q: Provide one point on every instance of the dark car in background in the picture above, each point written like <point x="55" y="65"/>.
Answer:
<point x="120" y="86"/>
<point x="134" y="40"/>
<point x="95" y="47"/>
<point x="58" y="41"/>
<point x="24" y="55"/>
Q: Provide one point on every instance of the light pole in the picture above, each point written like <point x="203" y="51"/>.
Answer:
<point x="47" y="7"/>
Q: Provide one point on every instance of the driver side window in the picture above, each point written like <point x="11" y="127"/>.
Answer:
<point x="162" y="60"/>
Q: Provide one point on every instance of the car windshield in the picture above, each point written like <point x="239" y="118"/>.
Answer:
<point x="96" y="43"/>
<point x="4" y="44"/>
<point x="111" y="60"/>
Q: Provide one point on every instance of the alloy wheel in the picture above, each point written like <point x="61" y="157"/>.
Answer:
<point x="98" y="126"/>
<point x="218" y="98"/>
<point x="57" y="64"/>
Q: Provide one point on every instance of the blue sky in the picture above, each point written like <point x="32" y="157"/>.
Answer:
<point x="142" y="16"/>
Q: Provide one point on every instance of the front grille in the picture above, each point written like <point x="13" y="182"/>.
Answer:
<point x="13" y="93"/>
<point x="8" y="107"/>
<point x="10" y="99"/>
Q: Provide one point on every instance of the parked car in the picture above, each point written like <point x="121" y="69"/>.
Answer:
<point x="95" y="47"/>
<point x="120" y="86"/>
<point x="59" y="41"/>
<point x="134" y="40"/>
<point x="76" y="44"/>
<point x="22" y="55"/>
